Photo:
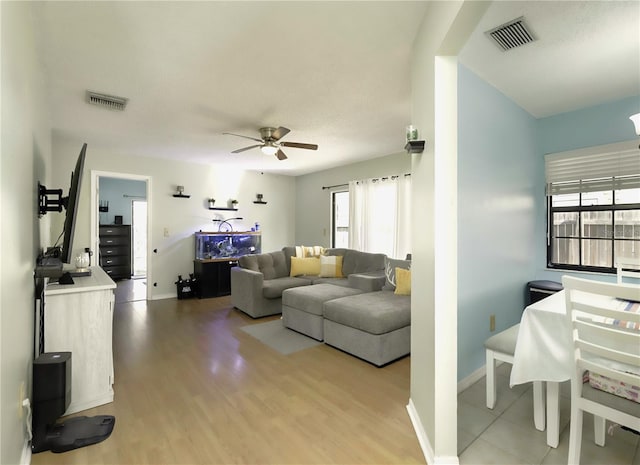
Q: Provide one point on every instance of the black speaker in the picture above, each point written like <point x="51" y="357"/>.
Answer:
<point x="51" y="393"/>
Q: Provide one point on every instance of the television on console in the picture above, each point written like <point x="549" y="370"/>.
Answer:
<point x="50" y="263"/>
<point x="71" y="207"/>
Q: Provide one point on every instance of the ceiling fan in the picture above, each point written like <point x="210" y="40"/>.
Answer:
<point x="270" y="142"/>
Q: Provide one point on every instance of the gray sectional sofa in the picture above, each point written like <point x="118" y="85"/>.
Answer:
<point x="258" y="281"/>
<point x="358" y="313"/>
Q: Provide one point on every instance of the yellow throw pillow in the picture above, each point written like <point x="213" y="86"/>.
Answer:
<point x="403" y="282"/>
<point x="305" y="266"/>
<point x="331" y="266"/>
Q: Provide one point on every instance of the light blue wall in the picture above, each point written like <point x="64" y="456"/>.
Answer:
<point x="598" y="125"/>
<point x="498" y="180"/>
<point x="502" y="203"/>
<point x="113" y="190"/>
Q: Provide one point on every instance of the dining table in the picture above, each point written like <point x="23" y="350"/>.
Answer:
<point x="544" y="355"/>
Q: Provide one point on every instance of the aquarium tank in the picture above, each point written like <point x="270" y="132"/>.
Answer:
<point x="225" y="245"/>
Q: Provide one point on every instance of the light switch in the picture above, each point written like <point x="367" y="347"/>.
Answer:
<point x="166" y="232"/>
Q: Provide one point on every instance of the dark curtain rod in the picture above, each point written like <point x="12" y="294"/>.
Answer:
<point x="374" y="180"/>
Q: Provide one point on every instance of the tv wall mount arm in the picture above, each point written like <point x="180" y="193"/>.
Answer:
<point x="50" y="200"/>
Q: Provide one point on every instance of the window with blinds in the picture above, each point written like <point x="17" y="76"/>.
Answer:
<point x="593" y="205"/>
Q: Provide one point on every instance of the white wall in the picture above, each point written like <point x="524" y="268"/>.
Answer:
<point x="313" y="204"/>
<point x="433" y="405"/>
<point x="25" y="159"/>
<point x="183" y="217"/>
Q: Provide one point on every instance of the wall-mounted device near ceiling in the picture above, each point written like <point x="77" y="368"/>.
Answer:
<point x="512" y="34"/>
<point x="270" y="142"/>
<point x="110" y="102"/>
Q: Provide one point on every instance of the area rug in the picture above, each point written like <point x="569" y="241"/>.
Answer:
<point x="276" y="336"/>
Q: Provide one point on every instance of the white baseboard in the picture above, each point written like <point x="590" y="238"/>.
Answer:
<point x="475" y="376"/>
<point x="25" y="458"/>
<point x="472" y="378"/>
<point x="423" y="439"/>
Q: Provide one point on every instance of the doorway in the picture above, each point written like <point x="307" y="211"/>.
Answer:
<point x="119" y="198"/>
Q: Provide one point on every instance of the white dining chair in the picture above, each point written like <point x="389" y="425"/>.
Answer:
<point x="603" y="346"/>
<point x="627" y="267"/>
<point x="502" y="347"/>
<point x="499" y="347"/>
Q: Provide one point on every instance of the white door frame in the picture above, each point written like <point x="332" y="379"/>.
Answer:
<point x="95" y="244"/>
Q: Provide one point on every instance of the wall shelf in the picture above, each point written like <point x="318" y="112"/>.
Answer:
<point x="259" y="202"/>
<point x="224" y="208"/>
<point x="181" y="196"/>
<point x="415" y="146"/>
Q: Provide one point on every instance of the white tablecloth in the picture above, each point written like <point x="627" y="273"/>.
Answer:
<point x="544" y="353"/>
<point x="543" y="350"/>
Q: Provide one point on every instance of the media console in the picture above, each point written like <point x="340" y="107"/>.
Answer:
<point x="78" y="318"/>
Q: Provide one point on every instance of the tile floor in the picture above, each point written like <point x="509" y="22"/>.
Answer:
<point x="506" y="434"/>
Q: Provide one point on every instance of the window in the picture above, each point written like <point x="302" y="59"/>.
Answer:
<point x="593" y="204"/>
<point x="380" y="215"/>
<point x="340" y="219"/>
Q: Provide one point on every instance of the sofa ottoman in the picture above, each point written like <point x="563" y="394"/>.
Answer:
<point x="302" y="307"/>
<point x="375" y="326"/>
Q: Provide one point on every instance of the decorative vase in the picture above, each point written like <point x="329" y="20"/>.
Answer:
<point x="82" y="260"/>
<point x="412" y="133"/>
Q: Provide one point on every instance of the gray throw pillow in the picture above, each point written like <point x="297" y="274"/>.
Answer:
<point x="390" y="265"/>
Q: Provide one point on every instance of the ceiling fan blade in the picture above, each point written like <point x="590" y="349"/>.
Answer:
<point x="240" y="135"/>
<point x="298" y="145"/>
<point x="280" y="132"/>
<point x="247" y="148"/>
<point x="280" y="155"/>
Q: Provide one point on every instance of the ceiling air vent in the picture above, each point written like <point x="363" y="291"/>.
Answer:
<point x="107" y="101"/>
<point x="512" y="34"/>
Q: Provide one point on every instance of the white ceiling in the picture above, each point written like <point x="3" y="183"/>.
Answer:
<point x="336" y="73"/>
<point x="586" y="53"/>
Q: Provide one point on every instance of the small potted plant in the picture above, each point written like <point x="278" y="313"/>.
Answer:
<point x="234" y="203"/>
<point x="212" y="202"/>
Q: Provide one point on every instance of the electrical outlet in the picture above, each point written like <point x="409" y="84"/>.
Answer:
<point x="492" y="323"/>
<point x="22" y="395"/>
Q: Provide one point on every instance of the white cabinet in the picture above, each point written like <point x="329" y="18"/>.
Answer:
<point x="79" y="318"/>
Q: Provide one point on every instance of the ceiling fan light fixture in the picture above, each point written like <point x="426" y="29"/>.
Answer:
<point x="269" y="149"/>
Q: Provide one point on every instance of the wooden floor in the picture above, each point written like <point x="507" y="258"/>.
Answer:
<point x="192" y="388"/>
<point x="128" y="290"/>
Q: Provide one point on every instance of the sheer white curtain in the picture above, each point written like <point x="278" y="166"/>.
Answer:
<point x="380" y="215"/>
